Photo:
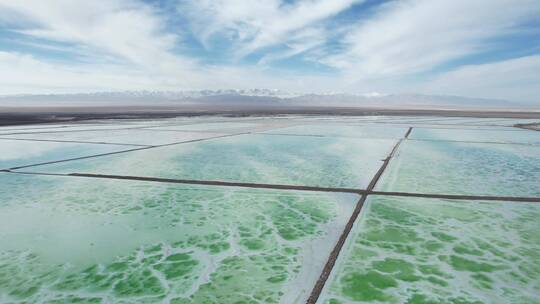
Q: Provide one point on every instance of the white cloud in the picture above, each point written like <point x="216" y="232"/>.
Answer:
<point x="131" y="31"/>
<point x="25" y="74"/>
<point x="406" y="37"/>
<point x="259" y="23"/>
<point x="126" y="45"/>
<point x="298" y="43"/>
<point x="132" y="49"/>
<point x="515" y="79"/>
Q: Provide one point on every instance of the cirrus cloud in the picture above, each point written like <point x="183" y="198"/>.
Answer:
<point x="483" y="48"/>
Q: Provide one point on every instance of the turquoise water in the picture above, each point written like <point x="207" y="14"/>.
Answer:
<point x="135" y="136"/>
<point x="28" y="129"/>
<point x="311" y="161"/>
<point x="332" y="130"/>
<point x="510" y="122"/>
<point x="465" y="121"/>
<point x="464" y="168"/>
<point x="66" y="239"/>
<point x="211" y="126"/>
<point x="92" y="241"/>
<point x="18" y="153"/>
<point x="414" y="250"/>
<point x="496" y="136"/>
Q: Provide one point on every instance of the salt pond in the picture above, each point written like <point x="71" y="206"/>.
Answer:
<point x="307" y="161"/>
<point x="418" y="250"/>
<point x="484" y="135"/>
<point x="15" y="153"/>
<point x="445" y="167"/>
<point x="70" y="239"/>
<point x="122" y="136"/>
<point x="344" y="130"/>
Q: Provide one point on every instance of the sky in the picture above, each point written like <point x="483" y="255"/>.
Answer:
<point x="480" y="48"/>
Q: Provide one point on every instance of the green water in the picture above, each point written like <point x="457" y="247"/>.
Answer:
<point x="15" y="153"/>
<point x="91" y="241"/>
<point x="464" y="168"/>
<point x="484" y="135"/>
<point x="295" y="160"/>
<point x="85" y="240"/>
<point x="211" y="126"/>
<point x="411" y="250"/>
<point x="344" y="130"/>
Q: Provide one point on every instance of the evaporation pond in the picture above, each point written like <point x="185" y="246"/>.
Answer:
<point x="66" y="128"/>
<point x="464" y="168"/>
<point x="419" y="250"/>
<point x="14" y="153"/>
<point x="210" y="126"/>
<point x="295" y="160"/>
<point x="71" y="239"/>
<point x="496" y="136"/>
<point x="130" y="136"/>
<point x="332" y="130"/>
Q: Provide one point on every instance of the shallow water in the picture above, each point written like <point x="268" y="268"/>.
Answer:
<point x="332" y="130"/>
<point x="485" y="135"/>
<point x="464" y="168"/>
<point x="66" y="239"/>
<point x="212" y="127"/>
<point x="145" y="242"/>
<point x="415" y="250"/>
<point x="52" y="128"/>
<point x="132" y="137"/>
<point x="303" y="160"/>
<point x="15" y="153"/>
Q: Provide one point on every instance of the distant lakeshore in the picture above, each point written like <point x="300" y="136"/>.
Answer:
<point x="529" y="126"/>
<point x="39" y="115"/>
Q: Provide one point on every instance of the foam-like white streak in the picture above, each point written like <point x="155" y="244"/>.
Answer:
<point x="316" y="252"/>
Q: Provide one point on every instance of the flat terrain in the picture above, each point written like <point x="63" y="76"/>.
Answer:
<point x="530" y="126"/>
<point x="362" y="206"/>
<point x="32" y="115"/>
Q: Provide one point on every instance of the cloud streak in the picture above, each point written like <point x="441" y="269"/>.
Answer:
<point x="407" y="37"/>
<point x="513" y="79"/>
<point x="130" y="32"/>
<point x="257" y="24"/>
<point x="415" y="46"/>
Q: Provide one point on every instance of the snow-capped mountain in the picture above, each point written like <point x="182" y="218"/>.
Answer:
<point x="253" y="97"/>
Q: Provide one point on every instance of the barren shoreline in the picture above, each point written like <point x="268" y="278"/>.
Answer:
<point x="531" y="126"/>
<point x="39" y="115"/>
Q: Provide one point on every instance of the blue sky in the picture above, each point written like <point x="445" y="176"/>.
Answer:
<point x="481" y="48"/>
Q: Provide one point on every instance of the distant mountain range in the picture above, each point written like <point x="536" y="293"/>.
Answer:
<point x="256" y="97"/>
